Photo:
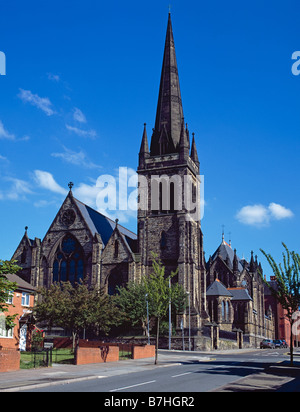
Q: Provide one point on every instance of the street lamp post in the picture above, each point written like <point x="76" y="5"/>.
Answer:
<point x="182" y="331"/>
<point x="146" y="296"/>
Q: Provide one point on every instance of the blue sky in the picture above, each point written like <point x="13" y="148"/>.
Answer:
<point x="82" y="78"/>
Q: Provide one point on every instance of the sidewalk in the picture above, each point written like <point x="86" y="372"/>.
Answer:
<point x="277" y="378"/>
<point x="273" y="378"/>
<point x="58" y="374"/>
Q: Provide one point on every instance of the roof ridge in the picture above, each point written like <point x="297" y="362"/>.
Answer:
<point x="106" y="217"/>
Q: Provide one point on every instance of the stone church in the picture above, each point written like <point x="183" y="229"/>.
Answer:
<point x="225" y="292"/>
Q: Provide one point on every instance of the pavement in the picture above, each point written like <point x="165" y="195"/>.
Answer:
<point x="280" y="377"/>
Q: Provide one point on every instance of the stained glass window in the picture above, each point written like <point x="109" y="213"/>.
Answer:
<point x="68" y="262"/>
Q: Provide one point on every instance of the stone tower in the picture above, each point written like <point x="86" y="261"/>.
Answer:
<point x="169" y="191"/>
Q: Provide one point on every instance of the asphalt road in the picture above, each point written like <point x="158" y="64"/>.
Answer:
<point x="188" y="373"/>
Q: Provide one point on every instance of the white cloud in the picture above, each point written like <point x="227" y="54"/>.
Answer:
<point x="3" y="159"/>
<point x="259" y="215"/>
<point x="18" y="190"/>
<point x="42" y="103"/>
<point x="53" y="77"/>
<point x="280" y="212"/>
<point x="76" y="158"/>
<point x="256" y="215"/>
<point x="43" y="203"/>
<point x="4" y="134"/>
<point x="79" y="116"/>
<point x="86" y="194"/>
<point x="46" y="180"/>
<point x="82" y="133"/>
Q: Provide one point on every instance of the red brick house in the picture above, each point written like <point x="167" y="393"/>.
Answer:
<point x="17" y="339"/>
<point x="282" y="324"/>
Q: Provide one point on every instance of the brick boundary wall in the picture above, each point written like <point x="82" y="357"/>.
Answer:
<point x="101" y="354"/>
<point x="141" y="352"/>
<point x="9" y="360"/>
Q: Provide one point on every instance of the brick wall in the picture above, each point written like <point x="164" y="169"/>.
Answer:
<point x="9" y="360"/>
<point x="18" y="308"/>
<point x="141" y="352"/>
<point x="103" y="354"/>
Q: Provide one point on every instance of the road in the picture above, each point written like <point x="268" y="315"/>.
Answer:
<point x="189" y="372"/>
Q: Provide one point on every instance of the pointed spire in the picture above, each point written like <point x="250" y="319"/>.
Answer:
<point x="187" y="134"/>
<point x="169" y="108"/>
<point x="194" y="154"/>
<point x="144" y="151"/>
<point x="184" y="144"/>
<point x="235" y="262"/>
<point x="252" y="264"/>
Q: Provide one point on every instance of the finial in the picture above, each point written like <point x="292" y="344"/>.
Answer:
<point x="223" y="235"/>
<point x="70" y="185"/>
<point x="117" y="222"/>
<point x="26" y="228"/>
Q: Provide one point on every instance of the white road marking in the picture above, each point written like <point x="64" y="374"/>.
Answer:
<point x="182" y="374"/>
<point x="132" y="386"/>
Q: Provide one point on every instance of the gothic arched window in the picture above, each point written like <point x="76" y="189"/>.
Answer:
<point x="163" y="240"/>
<point x="115" y="279"/>
<point x="116" y="248"/>
<point x="68" y="262"/>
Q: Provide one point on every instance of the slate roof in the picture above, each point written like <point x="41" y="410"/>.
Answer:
<point x="240" y="294"/>
<point x="217" y="289"/>
<point x="22" y="284"/>
<point x="169" y="112"/>
<point x="226" y="251"/>
<point x="105" y="226"/>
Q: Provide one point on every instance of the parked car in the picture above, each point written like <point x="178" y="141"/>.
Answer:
<point x="267" y="343"/>
<point x="278" y="343"/>
<point x="284" y="343"/>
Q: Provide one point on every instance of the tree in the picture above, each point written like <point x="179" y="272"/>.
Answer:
<point x="160" y="293"/>
<point x="287" y="290"/>
<point x="6" y="288"/>
<point x="76" y="308"/>
<point x="132" y="302"/>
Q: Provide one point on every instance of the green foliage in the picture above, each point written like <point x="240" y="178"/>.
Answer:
<point x="6" y="288"/>
<point x="157" y="286"/>
<point x="161" y="293"/>
<point x="76" y="308"/>
<point x="287" y="290"/>
<point x="132" y="302"/>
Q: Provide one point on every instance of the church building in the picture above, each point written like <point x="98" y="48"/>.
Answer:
<point x="224" y="293"/>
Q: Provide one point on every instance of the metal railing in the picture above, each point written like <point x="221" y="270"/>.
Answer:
<point x="41" y="358"/>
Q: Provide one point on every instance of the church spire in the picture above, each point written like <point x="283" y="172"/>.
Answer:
<point x="169" y="114"/>
<point x="144" y="151"/>
<point x="194" y="153"/>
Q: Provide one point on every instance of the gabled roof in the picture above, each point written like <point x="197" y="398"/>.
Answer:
<point x="103" y="225"/>
<point x="225" y="251"/>
<point x="22" y="284"/>
<point x="240" y="294"/>
<point x="217" y="289"/>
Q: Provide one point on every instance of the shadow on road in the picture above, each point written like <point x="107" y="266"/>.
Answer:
<point x="254" y="376"/>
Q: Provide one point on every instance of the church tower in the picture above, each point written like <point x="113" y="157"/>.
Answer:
<point x="169" y="192"/>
